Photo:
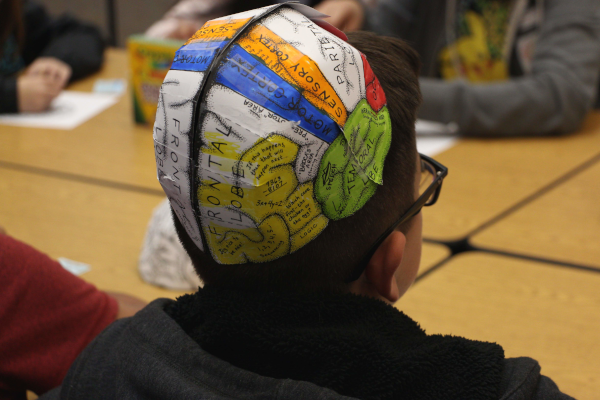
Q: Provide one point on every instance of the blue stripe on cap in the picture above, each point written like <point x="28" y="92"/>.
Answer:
<point x="251" y="78"/>
<point x="197" y="56"/>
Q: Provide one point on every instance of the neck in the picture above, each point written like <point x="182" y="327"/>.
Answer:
<point x="363" y="287"/>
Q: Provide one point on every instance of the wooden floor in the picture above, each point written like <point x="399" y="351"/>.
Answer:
<point x="512" y="251"/>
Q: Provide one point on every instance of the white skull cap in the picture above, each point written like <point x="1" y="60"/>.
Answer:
<point x="269" y="126"/>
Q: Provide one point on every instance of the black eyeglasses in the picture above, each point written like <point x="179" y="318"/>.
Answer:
<point x="432" y="176"/>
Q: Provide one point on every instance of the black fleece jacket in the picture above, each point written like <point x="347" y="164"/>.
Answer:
<point x="78" y="44"/>
<point x="222" y="344"/>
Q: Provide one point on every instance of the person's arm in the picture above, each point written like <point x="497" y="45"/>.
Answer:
<point x="48" y="316"/>
<point x="186" y="17"/>
<point x="8" y="95"/>
<point x="75" y="43"/>
<point x="346" y="15"/>
<point x="553" y="99"/>
<point x="521" y="379"/>
<point x="27" y="93"/>
<point x="391" y="17"/>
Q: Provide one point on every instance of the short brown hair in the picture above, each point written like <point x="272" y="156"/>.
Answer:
<point x="327" y="262"/>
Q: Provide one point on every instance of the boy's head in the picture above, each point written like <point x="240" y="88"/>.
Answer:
<point x="240" y="186"/>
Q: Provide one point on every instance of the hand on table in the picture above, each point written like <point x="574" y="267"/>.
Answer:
<point x="51" y="68"/>
<point x="41" y="83"/>
<point x="35" y="93"/>
<point x="185" y="29"/>
<point x="346" y="15"/>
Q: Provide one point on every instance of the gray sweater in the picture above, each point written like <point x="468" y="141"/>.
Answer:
<point x="552" y="99"/>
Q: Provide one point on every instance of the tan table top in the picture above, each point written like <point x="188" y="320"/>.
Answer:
<point x="58" y="209"/>
<point x="532" y="309"/>
<point x="562" y="224"/>
<point x="100" y="226"/>
<point x="432" y="255"/>
<point x="110" y="146"/>
<point x="96" y="225"/>
<point x="488" y="176"/>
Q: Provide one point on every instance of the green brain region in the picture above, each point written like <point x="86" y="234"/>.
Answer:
<point x="352" y="166"/>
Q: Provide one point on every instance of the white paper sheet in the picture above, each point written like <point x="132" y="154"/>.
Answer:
<point x="425" y="127"/>
<point x="69" y="110"/>
<point x="110" y="86"/>
<point x="435" y="137"/>
<point x="430" y="146"/>
<point x="74" y="267"/>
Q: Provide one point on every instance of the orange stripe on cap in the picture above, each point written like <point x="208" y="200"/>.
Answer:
<point x="218" y="30"/>
<point x="296" y="68"/>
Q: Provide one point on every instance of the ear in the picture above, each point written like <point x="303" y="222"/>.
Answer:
<point x="383" y="265"/>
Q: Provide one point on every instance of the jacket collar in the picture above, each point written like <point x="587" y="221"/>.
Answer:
<point x="357" y="346"/>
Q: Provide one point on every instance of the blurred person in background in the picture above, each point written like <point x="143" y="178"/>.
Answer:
<point x="188" y="16"/>
<point x="493" y="67"/>
<point x="40" y="55"/>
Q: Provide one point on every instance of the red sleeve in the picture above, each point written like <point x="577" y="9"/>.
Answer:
<point x="47" y="317"/>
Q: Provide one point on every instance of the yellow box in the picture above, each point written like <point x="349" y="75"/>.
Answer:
<point x="149" y="60"/>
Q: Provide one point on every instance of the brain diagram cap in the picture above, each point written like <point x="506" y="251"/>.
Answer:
<point x="268" y="127"/>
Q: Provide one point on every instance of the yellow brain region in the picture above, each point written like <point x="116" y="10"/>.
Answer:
<point x="284" y="213"/>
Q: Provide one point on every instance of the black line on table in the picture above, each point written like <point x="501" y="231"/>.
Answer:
<point x="80" y="178"/>
<point x="558" y="263"/>
<point x="463" y="246"/>
<point x="433" y="269"/>
<point x="550" y="186"/>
